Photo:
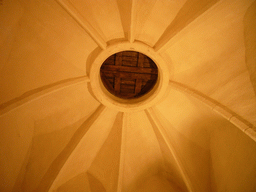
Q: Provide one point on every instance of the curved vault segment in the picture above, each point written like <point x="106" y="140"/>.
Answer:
<point x="166" y="137"/>
<point x="120" y="162"/>
<point x="78" y="161"/>
<point x="128" y="125"/>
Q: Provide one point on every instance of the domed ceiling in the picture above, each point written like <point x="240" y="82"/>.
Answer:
<point x="61" y="130"/>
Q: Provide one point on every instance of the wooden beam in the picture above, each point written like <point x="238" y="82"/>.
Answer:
<point x="128" y="82"/>
<point x="129" y="69"/>
<point x="117" y="78"/>
<point x="107" y="83"/>
<point x="118" y="59"/>
<point x="128" y="75"/>
<point x="141" y="60"/>
<point x="117" y="84"/>
<point x="72" y="11"/>
<point x="138" y="86"/>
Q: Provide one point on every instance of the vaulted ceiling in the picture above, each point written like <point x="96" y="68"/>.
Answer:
<point x="57" y="135"/>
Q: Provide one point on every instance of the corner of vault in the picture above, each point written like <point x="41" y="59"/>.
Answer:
<point x="106" y="164"/>
<point x="171" y="169"/>
<point x="250" y="42"/>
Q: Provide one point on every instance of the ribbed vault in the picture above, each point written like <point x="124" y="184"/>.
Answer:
<point x="57" y="134"/>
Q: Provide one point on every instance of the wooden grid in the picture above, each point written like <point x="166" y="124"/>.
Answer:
<point x="129" y="74"/>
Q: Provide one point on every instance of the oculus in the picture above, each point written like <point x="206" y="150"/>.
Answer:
<point x="129" y="74"/>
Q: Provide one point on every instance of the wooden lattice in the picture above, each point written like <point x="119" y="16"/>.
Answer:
<point x="129" y="74"/>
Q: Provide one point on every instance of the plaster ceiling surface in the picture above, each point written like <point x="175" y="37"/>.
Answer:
<point x="62" y="131"/>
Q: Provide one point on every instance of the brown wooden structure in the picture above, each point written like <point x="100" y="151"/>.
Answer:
<point x="129" y="74"/>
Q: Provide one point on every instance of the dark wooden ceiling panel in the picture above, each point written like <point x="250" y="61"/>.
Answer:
<point x="129" y="74"/>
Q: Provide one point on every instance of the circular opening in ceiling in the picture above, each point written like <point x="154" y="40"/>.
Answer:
<point x="129" y="74"/>
<point x="108" y="99"/>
